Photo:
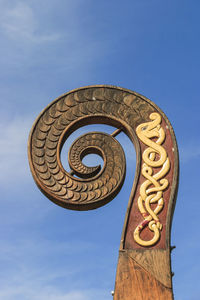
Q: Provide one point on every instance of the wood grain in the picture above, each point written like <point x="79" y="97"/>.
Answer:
<point x="156" y="262"/>
<point x="135" y="283"/>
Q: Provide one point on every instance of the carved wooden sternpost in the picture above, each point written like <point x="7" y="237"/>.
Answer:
<point x="144" y="266"/>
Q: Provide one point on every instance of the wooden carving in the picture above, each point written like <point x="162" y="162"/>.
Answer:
<point x="144" y="266"/>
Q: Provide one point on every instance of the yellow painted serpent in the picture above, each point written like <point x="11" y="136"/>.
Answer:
<point x="149" y="194"/>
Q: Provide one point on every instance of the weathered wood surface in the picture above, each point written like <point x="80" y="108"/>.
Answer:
<point x="144" y="267"/>
<point x="134" y="282"/>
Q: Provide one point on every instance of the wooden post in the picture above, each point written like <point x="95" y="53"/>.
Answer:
<point x="144" y="266"/>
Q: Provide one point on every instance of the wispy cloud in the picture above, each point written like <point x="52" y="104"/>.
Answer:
<point x="37" y="247"/>
<point x="32" y="292"/>
<point x="51" y="41"/>
<point x="19" y="22"/>
<point x="189" y="151"/>
<point x="13" y="149"/>
<point x="31" y="273"/>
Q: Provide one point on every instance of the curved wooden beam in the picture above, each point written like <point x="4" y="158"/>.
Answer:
<point x="144" y="267"/>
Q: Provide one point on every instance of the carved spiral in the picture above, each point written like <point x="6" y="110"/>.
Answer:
<point x="95" y="186"/>
<point x="104" y="145"/>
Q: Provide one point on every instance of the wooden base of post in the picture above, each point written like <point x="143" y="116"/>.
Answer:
<point x="133" y="282"/>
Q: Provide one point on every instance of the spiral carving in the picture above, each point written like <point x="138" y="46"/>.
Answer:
<point x="85" y="187"/>
<point x="145" y="241"/>
<point x="104" y="145"/>
<point x="95" y="187"/>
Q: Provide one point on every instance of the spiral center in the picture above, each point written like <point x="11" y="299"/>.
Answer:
<point x="85" y="145"/>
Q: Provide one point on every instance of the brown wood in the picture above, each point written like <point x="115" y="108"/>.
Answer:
<point x="144" y="267"/>
<point x="133" y="282"/>
<point x="156" y="262"/>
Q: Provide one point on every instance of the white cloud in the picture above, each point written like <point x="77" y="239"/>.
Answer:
<point x="13" y="149"/>
<point x="19" y="22"/>
<point x="37" y="247"/>
<point x="31" y="274"/>
<point x="52" y="41"/>
<point x="190" y="151"/>
<point x="31" y="292"/>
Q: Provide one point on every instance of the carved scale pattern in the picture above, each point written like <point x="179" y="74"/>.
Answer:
<point x="108" y="105"/>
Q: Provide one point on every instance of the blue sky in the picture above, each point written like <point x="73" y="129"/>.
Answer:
<point x="48" y="48"/>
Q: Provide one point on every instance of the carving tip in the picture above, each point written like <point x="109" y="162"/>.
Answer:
<point x="172" y="248"/>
